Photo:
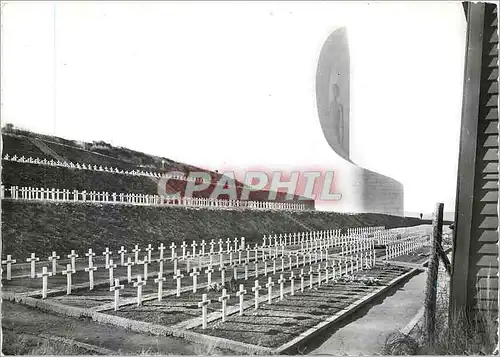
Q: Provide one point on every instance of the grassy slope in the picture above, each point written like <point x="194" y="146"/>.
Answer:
<point x="44" y="227"/>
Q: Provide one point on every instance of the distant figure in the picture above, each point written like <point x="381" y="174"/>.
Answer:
<point x="421" y="215"/>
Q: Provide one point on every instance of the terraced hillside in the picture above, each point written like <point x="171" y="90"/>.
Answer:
<point x="28" y="144"/>
<point x="45" y="227"/>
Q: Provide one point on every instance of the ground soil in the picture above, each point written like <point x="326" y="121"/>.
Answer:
<point x="19" y="319"/>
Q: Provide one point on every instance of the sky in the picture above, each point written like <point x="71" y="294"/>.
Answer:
<point x="232" y="84"/>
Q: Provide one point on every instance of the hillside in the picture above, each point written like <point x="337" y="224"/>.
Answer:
<point x="28" y="144"/>
<point x="44" y="227"/>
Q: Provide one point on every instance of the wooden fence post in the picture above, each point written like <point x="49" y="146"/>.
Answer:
<point x="432" y="275"/>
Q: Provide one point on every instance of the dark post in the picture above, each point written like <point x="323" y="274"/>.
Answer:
<point x="432" y="274"/>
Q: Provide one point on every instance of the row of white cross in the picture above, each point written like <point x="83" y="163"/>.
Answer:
<point x="53" y="194"/>
<point x="404" y="246"/>
<point x="350" y="266"/>
<point x="307" y="240"/>
<point x="114" y="170"/>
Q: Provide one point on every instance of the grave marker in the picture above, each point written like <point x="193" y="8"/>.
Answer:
<point x="178" y="278"/>
<point x="172" y="247"/>
<point x="9" y="261"/>
<point x="222" y="269"/>
<point x="90" y="255"/>
<point x="91" y="269"/>
<point x="139" y="284"/>
<point x="68" y="272"/>
<point x="53" y="258"/>
<point x="32" y="260"/>
<point x="195" y="274"/>
<point x="136" y="251"/>
<point x="269" y="286"/>
<point x="301" y="275"/>
<point x="209" y="272"/>
<point x="292" y="283"/>
<point x="194" y="245"/>
<point x="122" y="252"/>
<point x="281" y="281"/>
<point x="241" y="293"/>
<point x="149" y="249"/>
<point x="116" y="288"/>
<point x="111" y="266"/>
<point x="223" y="299"/>
<point x="129" y="265"/>
<point x="107" y="253"/>
<point x="159" y="280"/>
<point x="256" y="289"/>
<point x="204" y="304"/>
<point x="44" y="275"/>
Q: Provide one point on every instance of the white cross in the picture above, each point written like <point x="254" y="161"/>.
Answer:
<point x="9" y="263"/>
<point x="301" y="275"/>
<point x="116" y="288"/>
<point x="256" y="269"/>
<point x="228" y="243"/>
<point x="183" y="246"/>
<point x="53" y="258"/>
<point x="129" y="265"/>
<point x="246" y="269"/>
<point x="241" y="294"/>
<point x="209" y="272"/>
<point x="107" y="253"/>
<point x="222" y="269"/>
<point x="32" y="260"/>
<point x="236" y="241"/>
<point x="136" y="251"/>
<point x="68" y="272"/>
<point x="90" y="254"/>
<point x="149" y="249"/>
<point x="220" y="246"/>
<point x="161" y="248"/>
<point x="281" y="281"/>
<point x="111" y="266"/>
<point x="194" y="245"/>
<point x="256" y="289"/>
<point x="235" y="270"/>
<point x="212" y="243"/>
<point x="145" y="263"/>
<point x="310" y="277"/>
<point x="292" y="283"/>
<point x="195" y="274"/>
<point x="159" y="280"/>
<point x="223" y="300"/>
<point x="202" y="245"/>
<point x="44" y="275"/>
<point x="178" y="277"/>
<point x="139" y="284"/>
<point x="122" y="252"/>
<point x="91" y="270"/>
<point x="269" y="287"/>
<point x="204" y="304"/>
<point x="172" y="247"/>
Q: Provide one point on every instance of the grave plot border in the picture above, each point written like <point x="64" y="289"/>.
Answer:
<point x="291" y="346"/>
<point x="137" y="326"/>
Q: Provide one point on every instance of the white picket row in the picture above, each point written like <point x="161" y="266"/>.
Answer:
<point x="52" y="194"/>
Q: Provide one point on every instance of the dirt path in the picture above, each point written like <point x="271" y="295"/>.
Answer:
<point x="19" y="319"/>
